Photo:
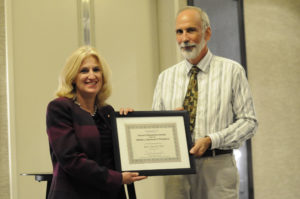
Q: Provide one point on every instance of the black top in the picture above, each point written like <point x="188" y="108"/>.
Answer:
<point x="105" y="132"/>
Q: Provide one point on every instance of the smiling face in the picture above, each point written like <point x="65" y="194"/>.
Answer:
<point x="88" y="81"/>
<point x="191" y="39"/>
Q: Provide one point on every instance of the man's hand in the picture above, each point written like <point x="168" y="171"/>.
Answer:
<point x="201" y="145"/>
<point x="130" y="177"/>
<point x="125" y="111"/>
<point x="179" y="109"/>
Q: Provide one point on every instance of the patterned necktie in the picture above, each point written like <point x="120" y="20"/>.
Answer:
<point x="190" y="100"/>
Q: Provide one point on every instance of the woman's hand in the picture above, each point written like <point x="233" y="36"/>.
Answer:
<point x="125" y="111"/>
<point x="130" y="177"/>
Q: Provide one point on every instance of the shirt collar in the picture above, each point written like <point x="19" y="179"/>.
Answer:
<point x="204" y="63"/>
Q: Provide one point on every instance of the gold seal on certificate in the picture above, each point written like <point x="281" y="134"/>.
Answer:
<point x="153" y="143"/>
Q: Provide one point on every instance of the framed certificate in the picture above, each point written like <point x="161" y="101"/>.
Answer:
<point x="153" y="143"/>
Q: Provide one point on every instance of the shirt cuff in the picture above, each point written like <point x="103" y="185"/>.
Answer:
<point x="215" y="140"/>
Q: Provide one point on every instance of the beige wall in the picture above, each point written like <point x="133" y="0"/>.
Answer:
<point x="126" y="35"/>
<point x="273" y="49"/>
<point x="4" y="152"/>
<point x="41" y="35"/>
<point x="137" y="39"/>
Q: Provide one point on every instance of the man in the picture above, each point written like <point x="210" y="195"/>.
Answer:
<point x="222" y="114"/>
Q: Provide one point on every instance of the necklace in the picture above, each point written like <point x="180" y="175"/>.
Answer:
<point x="92" y="114"/>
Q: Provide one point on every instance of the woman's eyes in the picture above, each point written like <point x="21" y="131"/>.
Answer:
<point x="86" y="70"/>
<point x="96" y="69"/>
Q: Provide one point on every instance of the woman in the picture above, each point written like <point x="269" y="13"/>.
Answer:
<point x="79" y="131"/>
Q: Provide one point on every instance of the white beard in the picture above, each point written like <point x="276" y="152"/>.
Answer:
<point x="194" y="52"/>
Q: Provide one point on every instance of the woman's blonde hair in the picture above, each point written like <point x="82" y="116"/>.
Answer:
<point x="67" y="88"/>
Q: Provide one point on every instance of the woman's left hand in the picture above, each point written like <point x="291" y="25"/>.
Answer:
<point x="125" y="111"/>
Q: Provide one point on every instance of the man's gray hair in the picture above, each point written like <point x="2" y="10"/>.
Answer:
<point x="204" y="17"/>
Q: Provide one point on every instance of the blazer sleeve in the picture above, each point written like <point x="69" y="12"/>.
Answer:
<point x="68" y="153"/>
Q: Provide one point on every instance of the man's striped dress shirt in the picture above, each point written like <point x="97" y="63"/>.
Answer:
<point x="225" y="110"/>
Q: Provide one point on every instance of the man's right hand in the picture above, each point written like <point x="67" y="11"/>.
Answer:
<point x="201" y="145"/>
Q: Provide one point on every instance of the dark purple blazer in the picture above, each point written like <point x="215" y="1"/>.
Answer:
<point x="78" y="171"/>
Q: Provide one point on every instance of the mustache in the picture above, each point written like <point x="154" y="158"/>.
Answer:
<point x="184" y="45"/>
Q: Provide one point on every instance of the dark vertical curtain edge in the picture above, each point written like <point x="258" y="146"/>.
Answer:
<point x="244" y="63"/>
<point x="190" y="2"/>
